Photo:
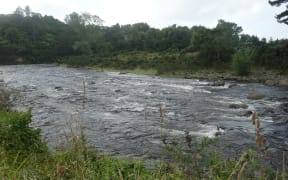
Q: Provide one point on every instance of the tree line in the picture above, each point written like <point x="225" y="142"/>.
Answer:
<point x="29" y="37"/>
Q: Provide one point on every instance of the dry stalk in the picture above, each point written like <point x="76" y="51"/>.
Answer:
<point x="161" y="136"/>
<point x="283" y="167"/>
<point x="262" y="174"/>
<point x="60" y="170"/>
<point x="145" y="112"/>
<point x="260" y="139"/>
<point x="267" y="153"/>
<point x="241" y="172"/>
<point x="254" y="118"/>
<point x="76" y="138"/>
<point x="258" y="124"/>
<point x="120" y="175"/>
<point x="84" y="95"/>
<point x="69" y="123"/>
<point x="161" y="113"/>
<point x="161" y="121"/>
<point x="238" y="164"/>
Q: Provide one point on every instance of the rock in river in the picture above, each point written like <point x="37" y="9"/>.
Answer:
<point x="58" y="88"/>
<point x="270" y="82"/>
<point x="217" y="83"/>
<point x="255" y="96"/>
<point x="283" y="82"/>
<point x="238" y="106"/>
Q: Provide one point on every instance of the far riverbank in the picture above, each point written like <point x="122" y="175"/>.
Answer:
<point x="266" y="77"/>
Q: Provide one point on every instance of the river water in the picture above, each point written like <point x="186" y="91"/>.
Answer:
<point x="121" y="115"/>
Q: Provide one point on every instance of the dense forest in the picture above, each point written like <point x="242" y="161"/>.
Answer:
<point x="82" y="40"/>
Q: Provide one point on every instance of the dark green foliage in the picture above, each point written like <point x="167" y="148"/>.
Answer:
<point x="164" y="63"/>
<point x="273" y="55"/>
<point x="216" y="46"/>
<point x="16" y="137"/>
<point x="241" y="61"/>
<point x="4" y="99"/>
<point x="33" y="38"/>
<point x="29" y="37"/>
<point x="283" y="16"/>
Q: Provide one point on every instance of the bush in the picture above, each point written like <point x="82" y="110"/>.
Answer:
<point x="241" y="61"/>
<point x="4" y="99"/>
<point x="16" y="137"/>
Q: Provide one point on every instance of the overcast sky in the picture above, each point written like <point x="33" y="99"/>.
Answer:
<point x="255" y="16"/>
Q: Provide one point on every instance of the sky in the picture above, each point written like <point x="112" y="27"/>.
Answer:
<point x="256" y="17"/>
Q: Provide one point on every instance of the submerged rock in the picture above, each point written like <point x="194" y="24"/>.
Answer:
<point x="248" y="113"/>
<point x="284" y="107"/>
<point x="232" y="85"/>
<point x="271" y="82"/>
<point x="238" y="106"/>
<point x="122" y="73"/>
<point x="1" y="82"/>
<point x="217" y="83"/>
<point x="269" y="110"/>
<point x="255" y="96"/>
<point x="283" y="82"/>
<point x="58" y="88"/>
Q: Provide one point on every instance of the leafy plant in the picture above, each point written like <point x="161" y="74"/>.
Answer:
<point x="4" y="99"/>
<point x="17" y="137"/>
<point x="241" y="61"/>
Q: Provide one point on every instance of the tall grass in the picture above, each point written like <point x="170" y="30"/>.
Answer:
<point x="84" y="95"/>
<point x="5" y="102"/>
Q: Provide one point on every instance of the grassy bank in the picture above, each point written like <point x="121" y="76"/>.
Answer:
<point x="138" y="71"/>
<point x="144" y="62"/>
<point x="178" y="64"/>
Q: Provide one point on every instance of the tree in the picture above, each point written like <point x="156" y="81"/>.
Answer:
<point x="83" y="19"/>
<point x="216" y="46"/>
<point x="82" y="47"/>
<point x="27" y="11"/>
<point x="115" y="37"/>
<point x="283" y="16"/>
<point x="89" y="19"/>
<point x="19" y="11"/>
<point x="242" y="60"/>
<point x="73" y="19"/>
<point x="176" y="37"/>
<point x="226" y="35"/>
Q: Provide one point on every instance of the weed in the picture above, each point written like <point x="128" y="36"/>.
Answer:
<point x="283" y="174"/>
<point x="5" y="103"/>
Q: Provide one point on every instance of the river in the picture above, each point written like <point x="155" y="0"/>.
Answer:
<point x="121" y="115"/>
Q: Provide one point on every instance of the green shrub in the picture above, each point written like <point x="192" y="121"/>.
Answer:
<point x="241" y="61"/>
<point x="16" y="137"/>
<point x="4" y="99"/>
